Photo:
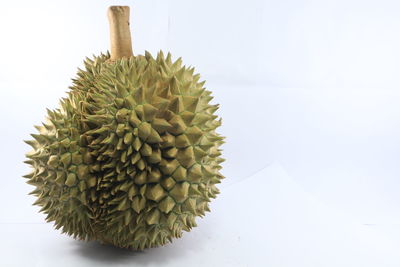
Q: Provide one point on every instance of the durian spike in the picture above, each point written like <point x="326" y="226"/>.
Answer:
<point x="120" y="34"/>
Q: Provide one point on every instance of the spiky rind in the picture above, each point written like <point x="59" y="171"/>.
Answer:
<point x="131" y="157"/>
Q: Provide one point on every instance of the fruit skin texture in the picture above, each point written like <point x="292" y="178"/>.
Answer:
<point x="131" y="157"/>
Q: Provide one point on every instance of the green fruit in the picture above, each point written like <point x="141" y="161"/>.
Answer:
<point x="131" y="157"/>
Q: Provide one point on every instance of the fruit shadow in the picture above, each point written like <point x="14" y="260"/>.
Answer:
<point x="107" y="255"/>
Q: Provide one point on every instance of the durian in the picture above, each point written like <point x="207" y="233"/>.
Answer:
<point x="131" y="157"/>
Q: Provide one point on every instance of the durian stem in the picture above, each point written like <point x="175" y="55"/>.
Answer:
<point x="120" y="34"/>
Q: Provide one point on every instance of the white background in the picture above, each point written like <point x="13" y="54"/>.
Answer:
<point x="309" y="94"/>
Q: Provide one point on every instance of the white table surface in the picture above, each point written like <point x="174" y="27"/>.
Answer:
<point x="264" y="220"/>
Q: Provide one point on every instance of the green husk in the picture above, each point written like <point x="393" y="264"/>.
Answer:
<point x="131" y="157"/>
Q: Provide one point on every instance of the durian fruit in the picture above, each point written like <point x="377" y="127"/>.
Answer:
<point x="131" y="156"/>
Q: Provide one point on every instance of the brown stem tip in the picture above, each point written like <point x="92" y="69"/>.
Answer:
<point x="120" y="34"/>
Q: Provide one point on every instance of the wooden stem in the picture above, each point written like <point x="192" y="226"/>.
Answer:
<point x="120" y="34"/>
